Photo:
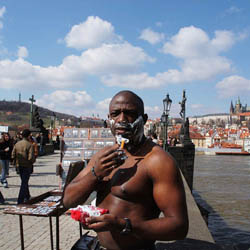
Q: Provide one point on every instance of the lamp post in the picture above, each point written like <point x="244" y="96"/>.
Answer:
<point x="52" y="125"/>
<point x="164" y="120"/>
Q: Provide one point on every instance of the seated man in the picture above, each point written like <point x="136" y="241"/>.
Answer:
<point x="134" y="190"/>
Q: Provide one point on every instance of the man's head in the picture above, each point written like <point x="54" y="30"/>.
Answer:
<point x="126" y="116"/>
<point x="160" y="142"/>
<point x="26" y="133"/>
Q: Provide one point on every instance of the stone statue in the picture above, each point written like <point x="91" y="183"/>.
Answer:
<point x="184" y="134"/>
<point x="186" y="129"/>
<point x="183" y="105"/>
<point x="38" y="123"/>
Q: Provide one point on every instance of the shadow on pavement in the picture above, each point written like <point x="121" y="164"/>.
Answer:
<point x="43" y="173"/>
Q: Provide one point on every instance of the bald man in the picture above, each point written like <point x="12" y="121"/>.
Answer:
<point x="134" y="190"/>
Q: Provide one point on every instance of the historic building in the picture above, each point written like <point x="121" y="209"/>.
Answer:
<point x="238" y="108"/>
<point x="238" y="112"/>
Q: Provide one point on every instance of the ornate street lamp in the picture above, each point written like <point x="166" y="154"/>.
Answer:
<point x="164" y="120"/>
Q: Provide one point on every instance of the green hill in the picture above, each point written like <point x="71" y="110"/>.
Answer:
<point x="13" y="113"/>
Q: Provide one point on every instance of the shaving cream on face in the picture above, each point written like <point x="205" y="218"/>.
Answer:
<point x="134" y="131"/>
<point x="138" y="130"/>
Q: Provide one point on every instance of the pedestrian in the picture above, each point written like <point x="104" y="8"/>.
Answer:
<point x="134" y="190"/>
<point x="24" y="158"/>
<point x="175" y="141"/>
<point x="6" y="147"/>
<point x="42" y="144"/>
<point x="38" y="138"/>
<point x="160" y="143"/>
<point x="154" y="138"/>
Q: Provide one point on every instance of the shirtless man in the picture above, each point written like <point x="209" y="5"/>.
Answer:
<point x="134" y="191"/>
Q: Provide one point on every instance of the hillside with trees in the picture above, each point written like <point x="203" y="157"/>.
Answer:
<point x="18" y="113"/>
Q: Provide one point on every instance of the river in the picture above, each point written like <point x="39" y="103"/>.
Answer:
<point x="222" y="186"/>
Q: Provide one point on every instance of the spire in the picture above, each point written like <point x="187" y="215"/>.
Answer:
<point x="231" y="107"/>
<point x="238" y="100"/>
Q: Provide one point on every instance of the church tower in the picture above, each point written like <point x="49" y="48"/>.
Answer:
<point x="238" y="106"/>
<point x="231" y="108"/>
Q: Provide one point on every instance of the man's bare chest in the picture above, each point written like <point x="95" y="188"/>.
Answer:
<point x="129" y="182"/>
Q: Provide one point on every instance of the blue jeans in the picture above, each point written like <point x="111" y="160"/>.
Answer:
<point x="24" y="193"/>
<point x="41" y="150"/>
<point x="5" y="169"/>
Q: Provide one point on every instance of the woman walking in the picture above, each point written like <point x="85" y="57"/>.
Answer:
<point x="5" y="156"/>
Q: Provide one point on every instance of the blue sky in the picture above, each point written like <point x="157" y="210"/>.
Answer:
<point x="75" y="55"/>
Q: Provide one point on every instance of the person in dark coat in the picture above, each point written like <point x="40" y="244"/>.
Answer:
<point x="6" y="147"/>
<point x="24" y="158"/>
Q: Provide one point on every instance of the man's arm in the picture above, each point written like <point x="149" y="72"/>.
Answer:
<point x="31" y="155"/>
<point x="169" y="195"/>
<point x="79" y="189"/>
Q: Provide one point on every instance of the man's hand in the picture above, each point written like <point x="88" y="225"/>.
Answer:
<point x="7" y="149"/>
<point x="106" y="161"/>
<point x="106" y="222"/>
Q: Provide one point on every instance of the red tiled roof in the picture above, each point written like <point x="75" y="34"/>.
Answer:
<point x="244" y="114"/>
<point x="196" y="135"/>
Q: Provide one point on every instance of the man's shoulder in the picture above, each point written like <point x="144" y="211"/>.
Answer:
<point x="23" y="143"/>
<point x="157" y="158"/>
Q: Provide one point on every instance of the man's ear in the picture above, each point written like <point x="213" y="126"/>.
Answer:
<point x="145" y="118"/>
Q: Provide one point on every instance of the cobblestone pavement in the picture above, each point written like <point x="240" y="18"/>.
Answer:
<point x="36" y="229"/>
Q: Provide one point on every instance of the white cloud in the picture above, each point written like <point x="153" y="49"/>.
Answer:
<point x="74" y="103"/>
<point x="108" y="59"/>
<point x="135" y="81"/>
<point x="91" y="34"/>
<point x="153" y="112"/>
<point x="192" y="42"/>
<point x="196" y="106"/>
<point x="192" y="69"/>
<point x="2" y="11"/>
<point x="200" y="55"/>
<point x="120" y="64"/>
<point x="223" y="41"/>
<point x="233" y="9"/>
<point x="233" y="85"/>
<point x="151" y="36"/>
<point x="113" y="58"/>
<point x="103" y="108"/>
<point x="22" y="52"/>
<point x="78" y="103"/>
